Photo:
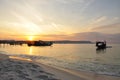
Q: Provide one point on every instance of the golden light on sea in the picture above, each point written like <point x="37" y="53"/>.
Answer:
<point x="30" y="51"/>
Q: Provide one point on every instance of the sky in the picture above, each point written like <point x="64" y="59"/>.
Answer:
<point x="60" y="20"/>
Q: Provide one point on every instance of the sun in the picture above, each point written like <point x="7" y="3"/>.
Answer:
<point x="30" y="38"/>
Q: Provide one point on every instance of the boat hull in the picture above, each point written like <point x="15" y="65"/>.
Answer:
<point x="39" y="43"/>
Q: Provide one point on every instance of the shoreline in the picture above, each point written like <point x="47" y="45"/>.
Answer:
<point x="16" y="68"/>
<point x="69" y="74"/>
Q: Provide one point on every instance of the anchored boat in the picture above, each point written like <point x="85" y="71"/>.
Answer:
<point x="39" y="43"/>
<point x="101" y="45"/>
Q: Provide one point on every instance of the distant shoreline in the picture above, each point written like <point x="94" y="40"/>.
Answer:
<point x="55" y="42"/>
<point x="72" y="42"/>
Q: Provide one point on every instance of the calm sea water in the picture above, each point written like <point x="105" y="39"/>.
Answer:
<point x="73" y="56"/>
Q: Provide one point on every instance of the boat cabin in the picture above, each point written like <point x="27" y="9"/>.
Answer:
<point x="101" y="44"/>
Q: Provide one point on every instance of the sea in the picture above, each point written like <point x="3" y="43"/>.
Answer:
<point x="80" y="57"/>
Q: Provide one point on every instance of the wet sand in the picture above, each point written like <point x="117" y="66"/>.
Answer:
<point x="15" y="68"/>
<point x="68" y="74"/>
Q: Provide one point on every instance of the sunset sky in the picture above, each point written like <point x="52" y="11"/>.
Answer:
<point x="60" y="20"/>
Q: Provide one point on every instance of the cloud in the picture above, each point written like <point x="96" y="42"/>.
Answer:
<point x="115" y="25"/>
<point x="89" y="36"/>
<point x="102" y="20"/>
<point x="70" y="1"/>
<point x="98" y="20"/>
<point x="77" y="1"/>
<point x="28" y="19"/>
<point x="96" y="36"/>
<point x="85" y="3"/>
<point x="111" y="28"/>
<point x="104" y="24"/>
<point x="116" y="18"/>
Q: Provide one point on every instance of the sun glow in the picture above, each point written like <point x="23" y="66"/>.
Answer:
<point x="31" y="38"/>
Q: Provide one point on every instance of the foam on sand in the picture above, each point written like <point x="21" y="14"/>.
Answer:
<point x="22" y="69"/>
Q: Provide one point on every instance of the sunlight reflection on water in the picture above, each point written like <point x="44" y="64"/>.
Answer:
<point x="74" y="56"/>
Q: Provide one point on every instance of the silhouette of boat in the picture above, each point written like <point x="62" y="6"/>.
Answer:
<point x="101" y="44"/>
<point x="39" y="43"/>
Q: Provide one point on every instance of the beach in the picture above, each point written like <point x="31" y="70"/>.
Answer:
<point x="16" y="68"/>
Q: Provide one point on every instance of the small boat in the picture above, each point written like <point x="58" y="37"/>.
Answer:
<point x="39" y="43"/>
<point x="101" y="45"/>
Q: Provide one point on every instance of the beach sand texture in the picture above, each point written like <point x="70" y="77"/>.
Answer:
<point x="15" y="68"/>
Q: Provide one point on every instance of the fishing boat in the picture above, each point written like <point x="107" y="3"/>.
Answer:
<point x="101" y="44"/>
<point x="39" y="43"/>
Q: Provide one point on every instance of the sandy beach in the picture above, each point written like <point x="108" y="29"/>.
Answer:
<point x="15" y="68"/>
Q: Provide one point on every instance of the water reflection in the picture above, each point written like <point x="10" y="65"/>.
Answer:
<point x="30" y="51"/>
<point x="98" y="50"/>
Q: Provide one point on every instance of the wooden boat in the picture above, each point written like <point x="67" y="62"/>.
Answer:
<point x="101" y="45"/>
<point x="39" y="43"/>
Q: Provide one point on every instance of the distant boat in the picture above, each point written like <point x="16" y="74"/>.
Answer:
<point x="101" y="45"/>
<point x="39" y="43"/>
